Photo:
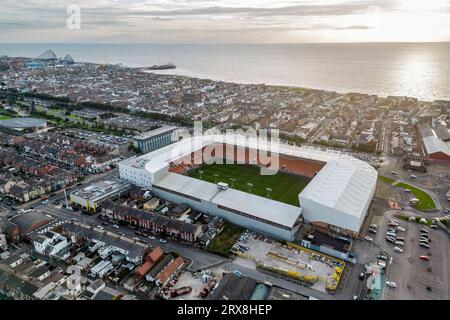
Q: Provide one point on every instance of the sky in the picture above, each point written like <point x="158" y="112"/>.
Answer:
<point x="223" y="21"/>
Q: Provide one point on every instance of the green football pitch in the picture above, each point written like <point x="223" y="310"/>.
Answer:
<point x="285" y="187"/>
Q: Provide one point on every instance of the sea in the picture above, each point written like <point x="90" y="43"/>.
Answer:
<point x="420" y="70"/>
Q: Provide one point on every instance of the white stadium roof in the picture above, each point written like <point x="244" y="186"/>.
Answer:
<point x="343" y="187"/>
<point x="259" y="207"/>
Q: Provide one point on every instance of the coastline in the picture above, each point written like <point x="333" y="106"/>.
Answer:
<point x="274" y="85"/>
<point x="416" y="70"/>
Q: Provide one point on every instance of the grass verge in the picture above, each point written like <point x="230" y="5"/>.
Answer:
<point x="225" y="240"/>
<point x="425" y="201"/>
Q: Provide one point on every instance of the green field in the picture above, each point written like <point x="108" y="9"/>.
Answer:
<point x="425" y="201"/>
<point x="386" y="179"/>
<point x="4" y="117"/>
<point x="285" y="187"/>
<point x="224" y="241"/>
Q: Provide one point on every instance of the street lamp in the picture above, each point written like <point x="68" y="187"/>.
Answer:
<point x="250" y="186"/>
<point x="232" y="181"/>
<point x="215" y="177"/>
<point x="268" y="192"/>
<point x="201" y="172"/>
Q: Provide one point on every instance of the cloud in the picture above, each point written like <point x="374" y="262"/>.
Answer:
<point x="200" y="20"/>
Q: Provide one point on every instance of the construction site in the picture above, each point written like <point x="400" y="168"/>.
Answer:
<point x="295" y="263"/>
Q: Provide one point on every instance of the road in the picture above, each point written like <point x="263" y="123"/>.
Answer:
<point x="200" y="259"/>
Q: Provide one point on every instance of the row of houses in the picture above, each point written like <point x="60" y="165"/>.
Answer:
<point x="37" y="178"/>
<point x="68" y="154"/>
<point x="159" y="268"/>
<point x="152" y="222"/>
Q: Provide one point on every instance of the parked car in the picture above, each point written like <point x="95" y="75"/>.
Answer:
<point x="382" y="257"/>
<point x="373" y="226"/>
<point x="381" y="263"/>
<point x="115" y="226"/>
<point x="397" y="249"/>
<point x="162" y="241"/>
<point x="426" y="258"/>
<point x="400" y="239"/>
<point x="100" y="227"/>
<point x="424" y="231"/>
<point x="390" y="239"/>
<point x="391" y="284"/>
<point x="424" y="245"/>
<point x="391" y="234"/>
<point x="367" y="238"/>
<point x="446" y="211"/>
<point x="372" y="231"/>
<point x="152" y="237"/>
<point x="401" y="229"/>
<point x="433" y="226"/>
<point x="399" y="243"/>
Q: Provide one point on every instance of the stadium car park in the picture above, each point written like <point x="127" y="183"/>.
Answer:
<point x="413" y="271"/>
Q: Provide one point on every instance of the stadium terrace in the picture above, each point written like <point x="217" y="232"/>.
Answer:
<point x="337" y="196"/>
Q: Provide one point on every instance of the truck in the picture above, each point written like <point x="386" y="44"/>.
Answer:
<point x="207" y="289"/>
<point x="180" y="291"/>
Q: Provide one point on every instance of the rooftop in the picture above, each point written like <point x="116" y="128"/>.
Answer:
<point x="22" y="123"/>
<point x="101" y="189"/>
<point x="259" y="207"/>
<point x="155" y="132"/>
<point x="433" y="144"/>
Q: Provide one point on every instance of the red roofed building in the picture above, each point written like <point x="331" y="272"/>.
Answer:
<point x="150" y="261"/>
<point x="171" y="270"/>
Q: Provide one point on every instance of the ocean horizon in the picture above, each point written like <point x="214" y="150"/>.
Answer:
<point x="418" y="70"/>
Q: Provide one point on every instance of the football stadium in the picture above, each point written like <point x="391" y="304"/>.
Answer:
<point x="221" y="176"/>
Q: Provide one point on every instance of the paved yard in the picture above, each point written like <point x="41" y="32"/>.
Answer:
<point x="297" y="261"/>
<point x="411" y="274"/>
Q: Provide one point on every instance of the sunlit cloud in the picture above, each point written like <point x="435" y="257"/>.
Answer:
<point x="227" y="21"/>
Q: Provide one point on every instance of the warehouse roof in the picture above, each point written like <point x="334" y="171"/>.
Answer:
<point x="153" y="133"/>
<point x="442" y="132"/>
<point x="233" y="287"/>
<point x="30" y="220"/>
<point x="433" y="145"/>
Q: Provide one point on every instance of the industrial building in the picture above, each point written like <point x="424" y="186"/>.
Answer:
<point x="154" y="139"/>
<point x="92" y="197"/>
<point x="436" y="143"/>
<point x="336" y="199"/>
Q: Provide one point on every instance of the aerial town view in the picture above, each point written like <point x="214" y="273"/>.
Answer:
<point x="147" y="181"/>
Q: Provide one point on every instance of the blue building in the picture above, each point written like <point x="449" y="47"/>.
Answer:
<point x="154" y="139"/>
